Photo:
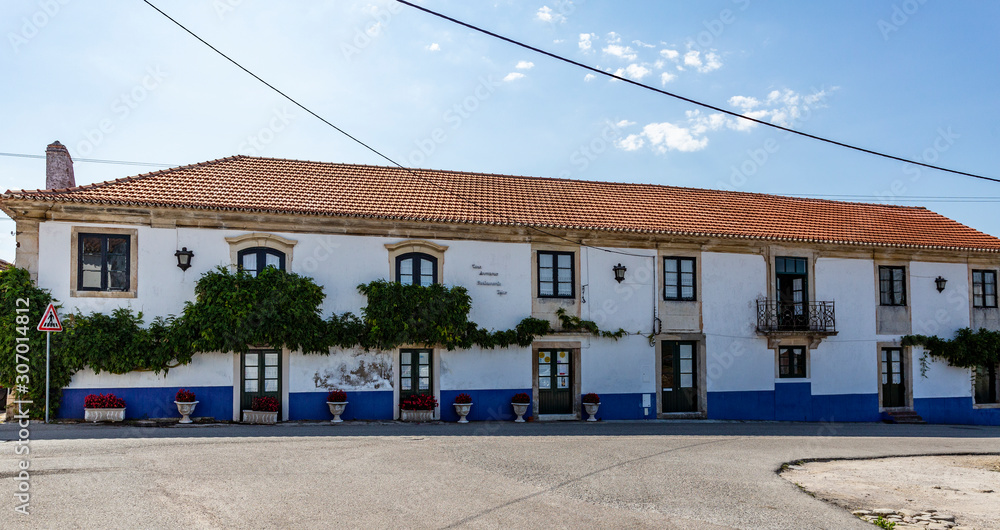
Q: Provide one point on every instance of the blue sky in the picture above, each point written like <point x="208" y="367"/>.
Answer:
<point x="913" y="78"/>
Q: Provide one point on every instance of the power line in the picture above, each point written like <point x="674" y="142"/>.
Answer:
<point x="689" y="100"/>
<point x="95" y="160"/>
<point x="373" y="150"/>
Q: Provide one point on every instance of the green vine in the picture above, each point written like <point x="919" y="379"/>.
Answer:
<point x="969" y="349"/>
<point x="234" y="311"/>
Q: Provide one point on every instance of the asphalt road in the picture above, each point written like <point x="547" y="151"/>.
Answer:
<point x="487" y="475"/>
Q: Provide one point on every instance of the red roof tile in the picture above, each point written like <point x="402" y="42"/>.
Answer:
<point x="244" y="183"/>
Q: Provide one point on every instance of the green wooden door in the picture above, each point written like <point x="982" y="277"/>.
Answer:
<point x="555" y="382"/>
<point x="679" y="377"/>
<point x="893" y="382"/>
<point x="415" y="373"/>
<point x="261" y="376"/>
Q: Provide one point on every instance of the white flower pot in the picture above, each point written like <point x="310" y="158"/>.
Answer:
<point x="186" y="409"/>
<point x="520" y="409"/>
<point x="592" y="410"/>
<point x="259" y="416"/>
<point x="416" y="415"/>
<point x="96" y="415"/>
<point x="336" y="408"/>
<point x="462" y="409"/>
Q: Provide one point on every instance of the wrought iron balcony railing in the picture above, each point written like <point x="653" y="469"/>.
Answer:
<point x="816" y="317"/>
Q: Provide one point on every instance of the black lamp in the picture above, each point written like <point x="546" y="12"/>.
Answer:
<point x="939" y="281"/>
<point x="619" y="272"/>
<point x="184" y="258"/>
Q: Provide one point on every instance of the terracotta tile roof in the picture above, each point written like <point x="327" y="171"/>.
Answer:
<point x="254" y="184"/>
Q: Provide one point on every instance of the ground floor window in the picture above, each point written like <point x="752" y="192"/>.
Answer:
<point x="791" y="362"/>
<point x="986" y="385"/>
<point x="415" y="373"/>
<point x="555" y="381"/>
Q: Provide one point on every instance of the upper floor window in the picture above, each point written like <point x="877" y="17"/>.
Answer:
<point x="555" y="274"/>
<point x="416" y="268"/>
<point x="892" y="285"/>
<point x="984" y="288"/>
<point x="104" y="262"/>
<point x="678" y="279"/>
<point x="255" y="259"/>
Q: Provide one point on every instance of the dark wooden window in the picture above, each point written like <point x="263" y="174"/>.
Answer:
<point x="984" y="288"/>
<point x="555" y="381"/>
<point x="791" y="362"/>
<point x="254" y="260"/>
<point x="892" y="285"/>
<point x="679" y="279"/>
<point x="103" y="263"/>
<point x="556" y="275"/>
<point x="415" y="373"/>
<point x="416" y="268"/>
<point x="986" y="384"/>
<point x="792" y="284"/>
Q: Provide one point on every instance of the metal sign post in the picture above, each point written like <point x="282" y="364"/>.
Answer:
<point x="49" y="323"/>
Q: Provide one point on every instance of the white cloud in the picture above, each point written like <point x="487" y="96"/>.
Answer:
<point x="637" y="72"/>
<point x="614" y="38"/>
<point x="670" y="54"/>
<point x="513" y="76"/>
<point x="744" y="102"/>
<point x="641" y="44"/>
<point x="586" y="41"/>
<point x="434" y="47"/>
<point x="624" y="123"/>
<point x="589" y="77"/>
<point x="710" y="62"/>
<point x="525" y="65"/>
<point x="666" y="136"/>
<point x="632" y="142"/>
<point x="622" y="52"/>
<point x="666" y="77"/>
<point x="546" y="14"/>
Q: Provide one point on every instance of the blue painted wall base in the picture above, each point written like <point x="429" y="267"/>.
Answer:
<point x="792" y="402"/>
<point x="487" y="404"/>
<point x="361" y="405"/>
<point x="153" y="402"/>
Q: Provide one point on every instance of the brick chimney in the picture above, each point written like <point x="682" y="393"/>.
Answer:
<point x="58" y="167"/>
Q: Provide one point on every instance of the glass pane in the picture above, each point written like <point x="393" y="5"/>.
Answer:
<point x="687" y="381"/>
<point x="117" y="280"/>
<point x="404" y="357"/>
<point x="885" y="378"/>
<point x="92" y="245"/>
<point x="250" y="386"/>
<point x="425" y="371"/>
<point x="685" y="366"/>
<point x="250" y="261"/>
<point x="270" y="260"/>
<point x="270" y="359"/>
<point x="545" y="275"/>
<point x="271" y="372"/>
<point x="563" y="382"/>
<point x="686" y="350"/>
<point x="565" y="261"/>
<point x="544" y="383"/>
<point x="250" y="372"/>
<point x="424" y="383"/>
<point x="895" y="355"/>
<point x="406" y="371"/>
<point x="544" y="370"/>
<point x="895" y="379"/>
<point x="563" y="356"/>
<point x="895" y="368"/>
<point x="562" y="369"/>
<point x="884" y="355"/>
<point x="687" y="292"/>
<point x="545" y="260"/>
<point x="544" y="357"/>
<point x="91" y="279"/>
<point x="427" y="279"/>
<point x="406" y="267"/>
<point x="251" y="359"/>
<point x="565" y="289"/>
<point x="977" y="277"/>
<point x="426" y="267"/>
<point x="117" y="246"/>
<point x="425" y="357"/>
<point x="270" y="385"/>
<point x="670" y="291"/>
<point x="546" y="289"/>
<point x="670" y="265"/>
<point x="406" y="384"/>
<point x="687" y="279"/>
<point x="687" y="265"/>
<point x="565" y="275"/>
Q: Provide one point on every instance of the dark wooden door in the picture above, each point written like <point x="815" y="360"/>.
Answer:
<point x="261" y="376"/>
<point x="415" y="373"/>
<point x="893" y="381"/>
<point x="555" y="382"/>
<point x="793" y="293"/>
<point x="679" y="377"/>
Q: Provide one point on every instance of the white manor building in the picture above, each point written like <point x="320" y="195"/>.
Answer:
<point x="740" y="305"/>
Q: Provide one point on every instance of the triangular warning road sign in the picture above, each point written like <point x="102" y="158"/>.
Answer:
<point x="50" y="320"/>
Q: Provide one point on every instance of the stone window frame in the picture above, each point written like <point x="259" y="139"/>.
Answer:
<point x="260" y="239"/>
<point x="907" y="356"/>
<point x="417" y="246"/>
<point x="574" y="348"/>
<point x="133" y="279"/>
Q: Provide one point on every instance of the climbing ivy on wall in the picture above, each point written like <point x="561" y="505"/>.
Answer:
<point x="968" y="349"/>
<point x="234" y="311"/>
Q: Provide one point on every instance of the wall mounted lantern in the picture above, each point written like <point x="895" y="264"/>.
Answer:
<point x="619" y="272"/>
<point x="184" y="258"/>
<point x="939" y="281"/>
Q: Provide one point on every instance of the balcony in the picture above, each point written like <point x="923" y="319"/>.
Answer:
<point x="781" y="319"/>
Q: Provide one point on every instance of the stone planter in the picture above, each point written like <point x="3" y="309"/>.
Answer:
<point x="260" y="416"/>
<point x="96" y="415"/>
<point x="336" y="408"/>
<point x="186" y="409"/>
<point x="462" y="409"/>
<point x="520" y="409"/>
<point x="592" y="410"/>
<point x="416" y="415"/>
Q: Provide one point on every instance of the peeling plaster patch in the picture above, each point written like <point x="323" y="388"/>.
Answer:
<point x="371" y="374"/>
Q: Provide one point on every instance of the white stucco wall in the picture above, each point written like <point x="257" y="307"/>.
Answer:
<point x="206" y="369"/>
<point x="625" y="366"/>
<point x="479" y="369"/>
<point x="846" y="363"/>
